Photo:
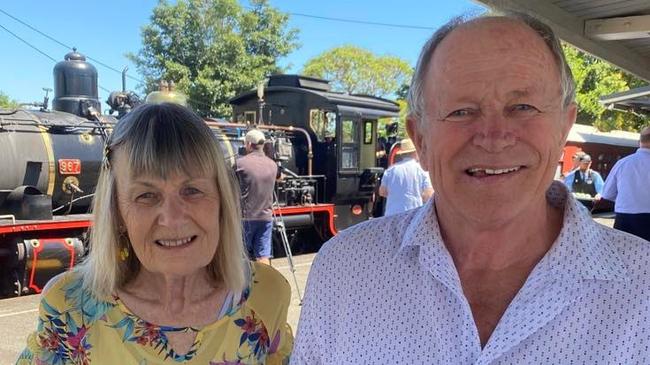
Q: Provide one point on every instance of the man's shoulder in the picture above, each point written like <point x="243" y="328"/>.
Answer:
<point x="376" y="237"/>
<point x="631" y="251"/>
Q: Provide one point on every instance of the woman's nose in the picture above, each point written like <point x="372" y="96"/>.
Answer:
<point x="172" y="212"/>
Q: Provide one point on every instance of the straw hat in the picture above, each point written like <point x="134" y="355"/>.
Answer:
<point x="406" y="146"/>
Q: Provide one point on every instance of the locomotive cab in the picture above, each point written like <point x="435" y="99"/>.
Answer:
<point x="343" y="129"/>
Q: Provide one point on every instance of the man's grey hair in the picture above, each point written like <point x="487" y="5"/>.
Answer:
<point x="416" y="102"/>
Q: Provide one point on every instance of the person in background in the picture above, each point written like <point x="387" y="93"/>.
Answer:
<point x="575" y="159"/>
<point x="584" y="180"/>
<point x="502" y="265"/>
<point x="257" y="174"/>
<point x="166" y="280"/>
<point x="405" y="185"/>
<point x="628" y="186"/>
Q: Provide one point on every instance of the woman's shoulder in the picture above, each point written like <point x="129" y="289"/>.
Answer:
<point x="266" y="280"/>
<point x="269" y="290"/>
<point x="56" y="286"/>
<point x="66" y="293"/>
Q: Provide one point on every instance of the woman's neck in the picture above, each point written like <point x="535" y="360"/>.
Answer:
<point x="186" y="300"/>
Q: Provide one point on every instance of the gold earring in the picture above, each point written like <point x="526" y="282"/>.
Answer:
<point x="124" y="254"/>
<point x="124" y="251"/>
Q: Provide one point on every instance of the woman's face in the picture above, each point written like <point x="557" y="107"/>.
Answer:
<point x="172" y="223"/>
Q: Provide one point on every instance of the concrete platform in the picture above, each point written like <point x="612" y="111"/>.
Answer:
<point x="18" y="315"/>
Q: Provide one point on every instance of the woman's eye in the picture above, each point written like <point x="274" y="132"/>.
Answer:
<point x="191" y="191"/>
<point x="145" y="197"/>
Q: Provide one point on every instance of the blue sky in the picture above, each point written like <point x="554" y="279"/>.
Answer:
<point x="107" y="30"/>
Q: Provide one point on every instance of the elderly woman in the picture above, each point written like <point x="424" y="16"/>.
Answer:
<point x="166" y="280"/>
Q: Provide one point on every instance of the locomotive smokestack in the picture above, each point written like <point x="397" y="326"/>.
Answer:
<point x="75" y="85"/>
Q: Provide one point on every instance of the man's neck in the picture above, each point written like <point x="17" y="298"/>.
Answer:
<point x="522" y="240"/>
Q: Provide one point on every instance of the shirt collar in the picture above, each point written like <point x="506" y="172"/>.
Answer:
<point x="582" y="249"/>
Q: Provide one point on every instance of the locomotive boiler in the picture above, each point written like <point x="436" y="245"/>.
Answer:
<point x="50" y="161"/>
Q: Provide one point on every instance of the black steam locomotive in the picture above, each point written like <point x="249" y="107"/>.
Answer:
<point x="324" y="142"/>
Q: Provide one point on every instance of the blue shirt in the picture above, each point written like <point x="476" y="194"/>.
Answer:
<point x="387" y="291"/>
<point x="405" y="181"/>
<point x="595" y="177"/>
<point x="628" y="184"/>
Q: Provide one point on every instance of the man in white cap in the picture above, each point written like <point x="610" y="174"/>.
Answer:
<point x="405" y="185"/>
<point x="257" y="174"/>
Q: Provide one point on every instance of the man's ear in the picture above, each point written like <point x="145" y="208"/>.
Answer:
<point x="413" y="128"/>
<point x="569" y="115"/>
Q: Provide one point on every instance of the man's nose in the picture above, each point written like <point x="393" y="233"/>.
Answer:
<point x="494" y="133"/>
<point x="172" y="212"/>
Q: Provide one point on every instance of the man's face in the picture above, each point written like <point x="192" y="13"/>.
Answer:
<point x="584" y="165"/>
<point x="494" y="125"/>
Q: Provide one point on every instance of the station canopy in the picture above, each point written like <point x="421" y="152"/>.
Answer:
<point x="616" y="31"/>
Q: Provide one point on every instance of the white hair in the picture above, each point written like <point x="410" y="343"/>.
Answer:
<point x="160" y="140"/>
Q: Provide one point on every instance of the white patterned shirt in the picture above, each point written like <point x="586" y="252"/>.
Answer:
<point x="387" y="292"/>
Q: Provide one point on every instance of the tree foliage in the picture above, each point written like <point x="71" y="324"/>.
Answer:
<point x="595" y="78"/>
<point x="212" y="49"/>
<point x="358" y="71"/>
<point x="6" y="102"/>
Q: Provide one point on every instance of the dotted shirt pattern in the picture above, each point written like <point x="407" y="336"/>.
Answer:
<point x="387" y="292"/>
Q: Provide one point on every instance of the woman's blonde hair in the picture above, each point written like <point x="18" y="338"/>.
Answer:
<point x="160" y="140"/>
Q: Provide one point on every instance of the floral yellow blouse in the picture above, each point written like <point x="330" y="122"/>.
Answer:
<point x="75" y="328"/>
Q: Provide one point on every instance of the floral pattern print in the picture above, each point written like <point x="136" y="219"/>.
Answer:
<point x="74" y="326"/>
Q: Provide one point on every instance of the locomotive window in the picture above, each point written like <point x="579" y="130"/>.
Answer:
<point x="323" y="123"/>
<point x="348" y="131"/>
<point x="349" y="145"/>
<point x="367" y="132"/>
<point x="250" y="117"/>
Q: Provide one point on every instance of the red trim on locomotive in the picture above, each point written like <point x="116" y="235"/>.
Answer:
<point x="38" y="249"/>
<point x="316" y="208"/>
<point x="45" y="225"/>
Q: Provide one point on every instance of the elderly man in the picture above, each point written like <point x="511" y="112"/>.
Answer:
<point x="405" y="185"/>
<point x="628" y="186"/>
<point x="493" y="269"/>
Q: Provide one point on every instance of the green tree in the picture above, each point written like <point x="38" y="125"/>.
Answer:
<point x="212" y="49"/>
<point x="358" y="71"/>
<point x="6" y="102"/>
<point x="595" y="78"/>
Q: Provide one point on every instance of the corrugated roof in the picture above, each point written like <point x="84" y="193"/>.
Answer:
<point x="587" y="133"/>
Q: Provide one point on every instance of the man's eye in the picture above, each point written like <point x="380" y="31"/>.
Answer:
<point x="460" y="114"/>
<point x="523" y="108"/>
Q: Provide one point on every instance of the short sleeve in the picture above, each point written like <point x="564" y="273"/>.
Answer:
<point x="598" y="183"/>
<point x="425" y="180"/>
<point x="49" y="337"/>
<point x="270" y="299"/>
<point x="282" y="345"/>
<point x="385" y="177"/>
